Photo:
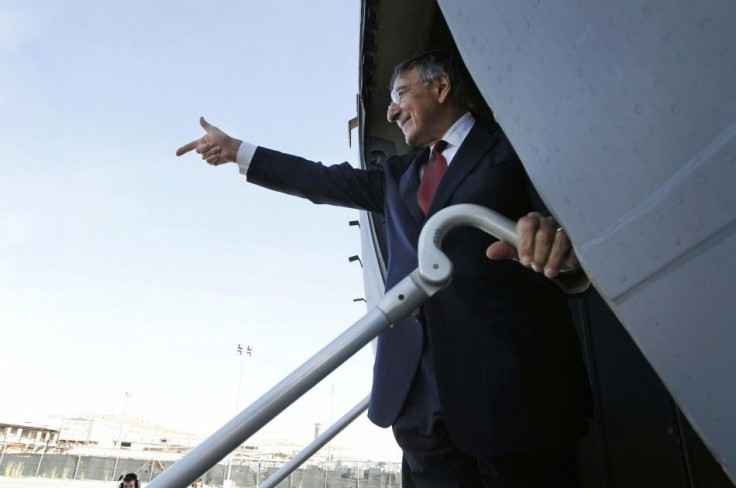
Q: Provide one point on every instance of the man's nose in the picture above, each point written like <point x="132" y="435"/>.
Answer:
<point x="393" y="112"/>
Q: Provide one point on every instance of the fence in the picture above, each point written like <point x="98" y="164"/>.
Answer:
<point x="245" y="474"/>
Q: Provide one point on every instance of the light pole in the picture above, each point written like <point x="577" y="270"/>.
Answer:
<point x="332" y="403"/>
<point x="58" y="437"/>
<point x="122" y="420"/>
<point x="120" y="433"/>
<point x="248" y="351"/>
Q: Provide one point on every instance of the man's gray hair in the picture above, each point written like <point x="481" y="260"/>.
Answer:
<point x="430" y="65"/>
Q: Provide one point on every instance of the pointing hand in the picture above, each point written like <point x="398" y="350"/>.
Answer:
<point x="216" y="147"/>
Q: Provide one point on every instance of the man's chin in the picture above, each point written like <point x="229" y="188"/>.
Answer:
<point x="407" y="135"/>
<point x="412" y="140"/>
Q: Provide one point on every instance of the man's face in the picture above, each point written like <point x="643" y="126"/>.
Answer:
<point x="129" y="484"/>
<point x="417" y="113"/>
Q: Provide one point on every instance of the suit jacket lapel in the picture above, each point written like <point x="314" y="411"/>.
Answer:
<point x="409" y="186"/>
<point x="476" y="145"/>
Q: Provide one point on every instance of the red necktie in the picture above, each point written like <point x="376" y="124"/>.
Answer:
<point x="432" y="175"/>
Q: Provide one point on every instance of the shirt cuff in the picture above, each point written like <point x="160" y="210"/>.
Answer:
<point x="245" y="156"/>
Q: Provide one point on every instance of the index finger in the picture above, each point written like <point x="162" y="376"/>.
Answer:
<point x="187" y="147"/>
<point x="526" y="230"/>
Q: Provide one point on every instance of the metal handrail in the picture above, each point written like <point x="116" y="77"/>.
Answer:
<point x="433" y="274"/>
<point x="434" y="264"/>
<point x="397" y="303"/>
<point x="316" y="444"/>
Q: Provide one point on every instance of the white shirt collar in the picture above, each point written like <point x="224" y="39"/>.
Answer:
<point x="456" y="134"/>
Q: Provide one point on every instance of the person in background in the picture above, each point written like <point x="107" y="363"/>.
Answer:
<point x="130" y="480"/>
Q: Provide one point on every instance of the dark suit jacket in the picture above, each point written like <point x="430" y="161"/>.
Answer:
<point x="506" y="357"/>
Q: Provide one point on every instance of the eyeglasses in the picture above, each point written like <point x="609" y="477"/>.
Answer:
<point x="399" y="91"/>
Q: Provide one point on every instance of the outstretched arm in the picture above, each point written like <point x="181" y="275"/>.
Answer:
<point x="215" y="146"/>
<point x="340" y="184"/>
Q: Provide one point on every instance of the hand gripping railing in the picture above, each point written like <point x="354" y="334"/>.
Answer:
<point x="433" y="274"/>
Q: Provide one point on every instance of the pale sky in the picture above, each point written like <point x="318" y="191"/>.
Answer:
<point x="126" y="269"/>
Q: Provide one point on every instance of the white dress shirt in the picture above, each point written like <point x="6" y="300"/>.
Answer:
<point x="455" y="136"/>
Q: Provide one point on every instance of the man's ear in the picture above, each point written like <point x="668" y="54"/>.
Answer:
<point x="443" y="87"/>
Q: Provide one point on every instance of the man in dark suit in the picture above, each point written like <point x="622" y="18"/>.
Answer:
<point x="484" y="385"/>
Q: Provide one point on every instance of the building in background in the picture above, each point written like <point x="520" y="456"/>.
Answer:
<point x="26" y="436"/>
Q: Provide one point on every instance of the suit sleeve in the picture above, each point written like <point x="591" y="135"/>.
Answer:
<point x="505" y="156"/>
<point x="340" y="184"/>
